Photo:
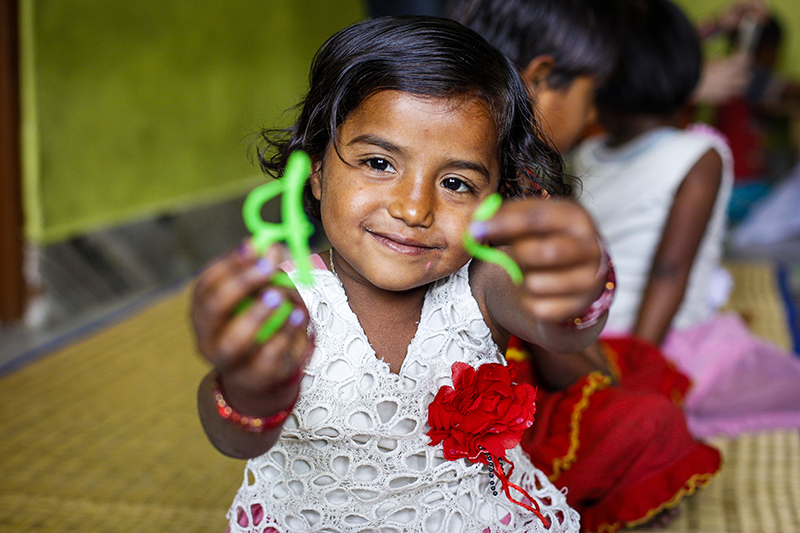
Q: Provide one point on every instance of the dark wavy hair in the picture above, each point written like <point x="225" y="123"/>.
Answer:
<point x="582" y="36"/>
<point x="426" y="56"/>
<point x="660" y="63"/>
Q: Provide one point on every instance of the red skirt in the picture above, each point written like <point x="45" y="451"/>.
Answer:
<point x="623" y="452"/>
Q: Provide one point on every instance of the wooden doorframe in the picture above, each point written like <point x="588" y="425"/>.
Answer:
<point x="13" y="290"/>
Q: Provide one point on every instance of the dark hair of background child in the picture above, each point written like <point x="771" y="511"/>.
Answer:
<point x="582" y="36"/>
<point x="659" y="65"/>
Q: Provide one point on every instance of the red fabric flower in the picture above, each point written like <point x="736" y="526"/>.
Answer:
<point x="483" y="410"/>
<point x="481" y="416"/>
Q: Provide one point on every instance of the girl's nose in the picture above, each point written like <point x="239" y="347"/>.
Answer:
<point x="413" y="203"/>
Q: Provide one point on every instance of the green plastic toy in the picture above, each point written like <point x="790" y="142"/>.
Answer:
<point x="294" y="229"/>
<point x="484" y="212"/>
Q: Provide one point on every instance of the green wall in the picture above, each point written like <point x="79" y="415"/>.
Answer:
<point x="787" y="11"/>
<point x="138" y="107"/>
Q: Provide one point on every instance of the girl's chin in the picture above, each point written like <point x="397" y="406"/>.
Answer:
<point x="398" y="273"/>
<point x="399" y="283"/>
<point x="392" y="281"/>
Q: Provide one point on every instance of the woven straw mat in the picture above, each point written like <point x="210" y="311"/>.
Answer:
<point x="102" y="436"/>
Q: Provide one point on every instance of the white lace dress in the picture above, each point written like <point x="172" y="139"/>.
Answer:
<point x="354" y="455"/>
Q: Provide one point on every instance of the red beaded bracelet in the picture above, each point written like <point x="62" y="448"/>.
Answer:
<point x="251" y="424"/>
<point x="598" y="308"/>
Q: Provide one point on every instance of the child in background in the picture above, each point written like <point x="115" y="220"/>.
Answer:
<point x="410" y="123"/>
<point x="564" y="50"/>
<point x="659" y="195"/>
<point x="620" y="446"/>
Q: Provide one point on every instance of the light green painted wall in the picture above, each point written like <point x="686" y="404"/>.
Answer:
<point x="787" y="11"/>
<point x="136" y="107"/>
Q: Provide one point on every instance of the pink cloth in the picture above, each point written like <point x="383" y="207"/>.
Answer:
<point x="258" y="515"/>
<point x="741" y="383"/>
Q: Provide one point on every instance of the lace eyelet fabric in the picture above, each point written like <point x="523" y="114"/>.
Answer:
<point x="354" y="457"/>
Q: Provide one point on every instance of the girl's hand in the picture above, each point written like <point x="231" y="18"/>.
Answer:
<point x="556" y="245"/>
<point x="251" y="373"/>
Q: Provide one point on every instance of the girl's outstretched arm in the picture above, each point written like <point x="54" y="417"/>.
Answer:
<point x="556" y="245"/>
<point x="255" y="379"/>
<point x="680" y="240"/>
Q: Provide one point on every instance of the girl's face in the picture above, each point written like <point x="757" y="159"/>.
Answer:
<point x="412" y="171"/>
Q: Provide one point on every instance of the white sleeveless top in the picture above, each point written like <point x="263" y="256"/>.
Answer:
<point x="354" y="454"/>
<point x="630" y="190"/>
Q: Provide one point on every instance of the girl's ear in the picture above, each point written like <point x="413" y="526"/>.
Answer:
<point x="535" y="74"/>
<point x="316" y="178"/>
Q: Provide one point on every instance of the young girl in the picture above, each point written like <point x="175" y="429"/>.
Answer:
<point x="410" y="124"/>
<point x="659" y="195"/>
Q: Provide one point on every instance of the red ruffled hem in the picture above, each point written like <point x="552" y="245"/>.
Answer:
<point x="639" y="503"/>
<point x="623" y="452"/>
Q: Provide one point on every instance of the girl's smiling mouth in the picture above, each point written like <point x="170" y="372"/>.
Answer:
<point x="400" y="244"/>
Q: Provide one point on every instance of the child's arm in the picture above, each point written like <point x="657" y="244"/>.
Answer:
<point x="557" y="371"/>
<point x="257" y="380"/>
<point x="680" y="240"/>
<point x="556" y="245"/>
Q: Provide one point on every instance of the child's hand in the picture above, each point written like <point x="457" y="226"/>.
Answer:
<point x="723" y="79"/>
<point x="250" y="371"/>
<point x="556" y="245"/>
<point x="731" y="17"/>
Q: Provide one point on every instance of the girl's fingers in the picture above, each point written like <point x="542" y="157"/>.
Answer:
<point x="244" y="258"/>
<point x="286" y="352"/>
<point x="236" y="339"/>
<point x="226" y="266"/>
<point x="524" y="218"/>
<point x="581" y="284"/>
<point x="555" y="244"/>
<point x="218" y="301"/>
<point x="259" y="322"/>
<point x="221" y="293"/>
<point x="556" y="309"/>
<point x="558" y="294"/>
<point x="222" y="287"/>
<point x="557" y="251"/>
<point x="277" y="360"/>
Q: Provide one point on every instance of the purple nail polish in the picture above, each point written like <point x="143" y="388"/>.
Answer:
<point x="245" y="250"/>
<point x="272" y="298"/>
<point x="296" y="317"/>
<point x="478" y="230"/>
<point x="265" y="266"/>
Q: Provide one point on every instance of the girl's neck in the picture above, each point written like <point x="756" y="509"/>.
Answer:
<point x="625" y="127"/>
<point x="389" y="318"/>
<point x="358" y="290"/>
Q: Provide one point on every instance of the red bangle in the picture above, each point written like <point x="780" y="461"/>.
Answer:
<point x="251" y="424"/>
<point x="599" y="307"/>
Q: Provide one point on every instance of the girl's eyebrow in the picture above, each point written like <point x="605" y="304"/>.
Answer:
<point x="459" y="164"/>
<point x="375" y="141"/>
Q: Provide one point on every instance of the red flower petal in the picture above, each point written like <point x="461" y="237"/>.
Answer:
<point x="483" y="408"/>
<point x="463" y="375"/>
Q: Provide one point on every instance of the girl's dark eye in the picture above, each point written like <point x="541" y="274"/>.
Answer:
<point x="380" y="164"/>
<point x="455" y="184"/>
